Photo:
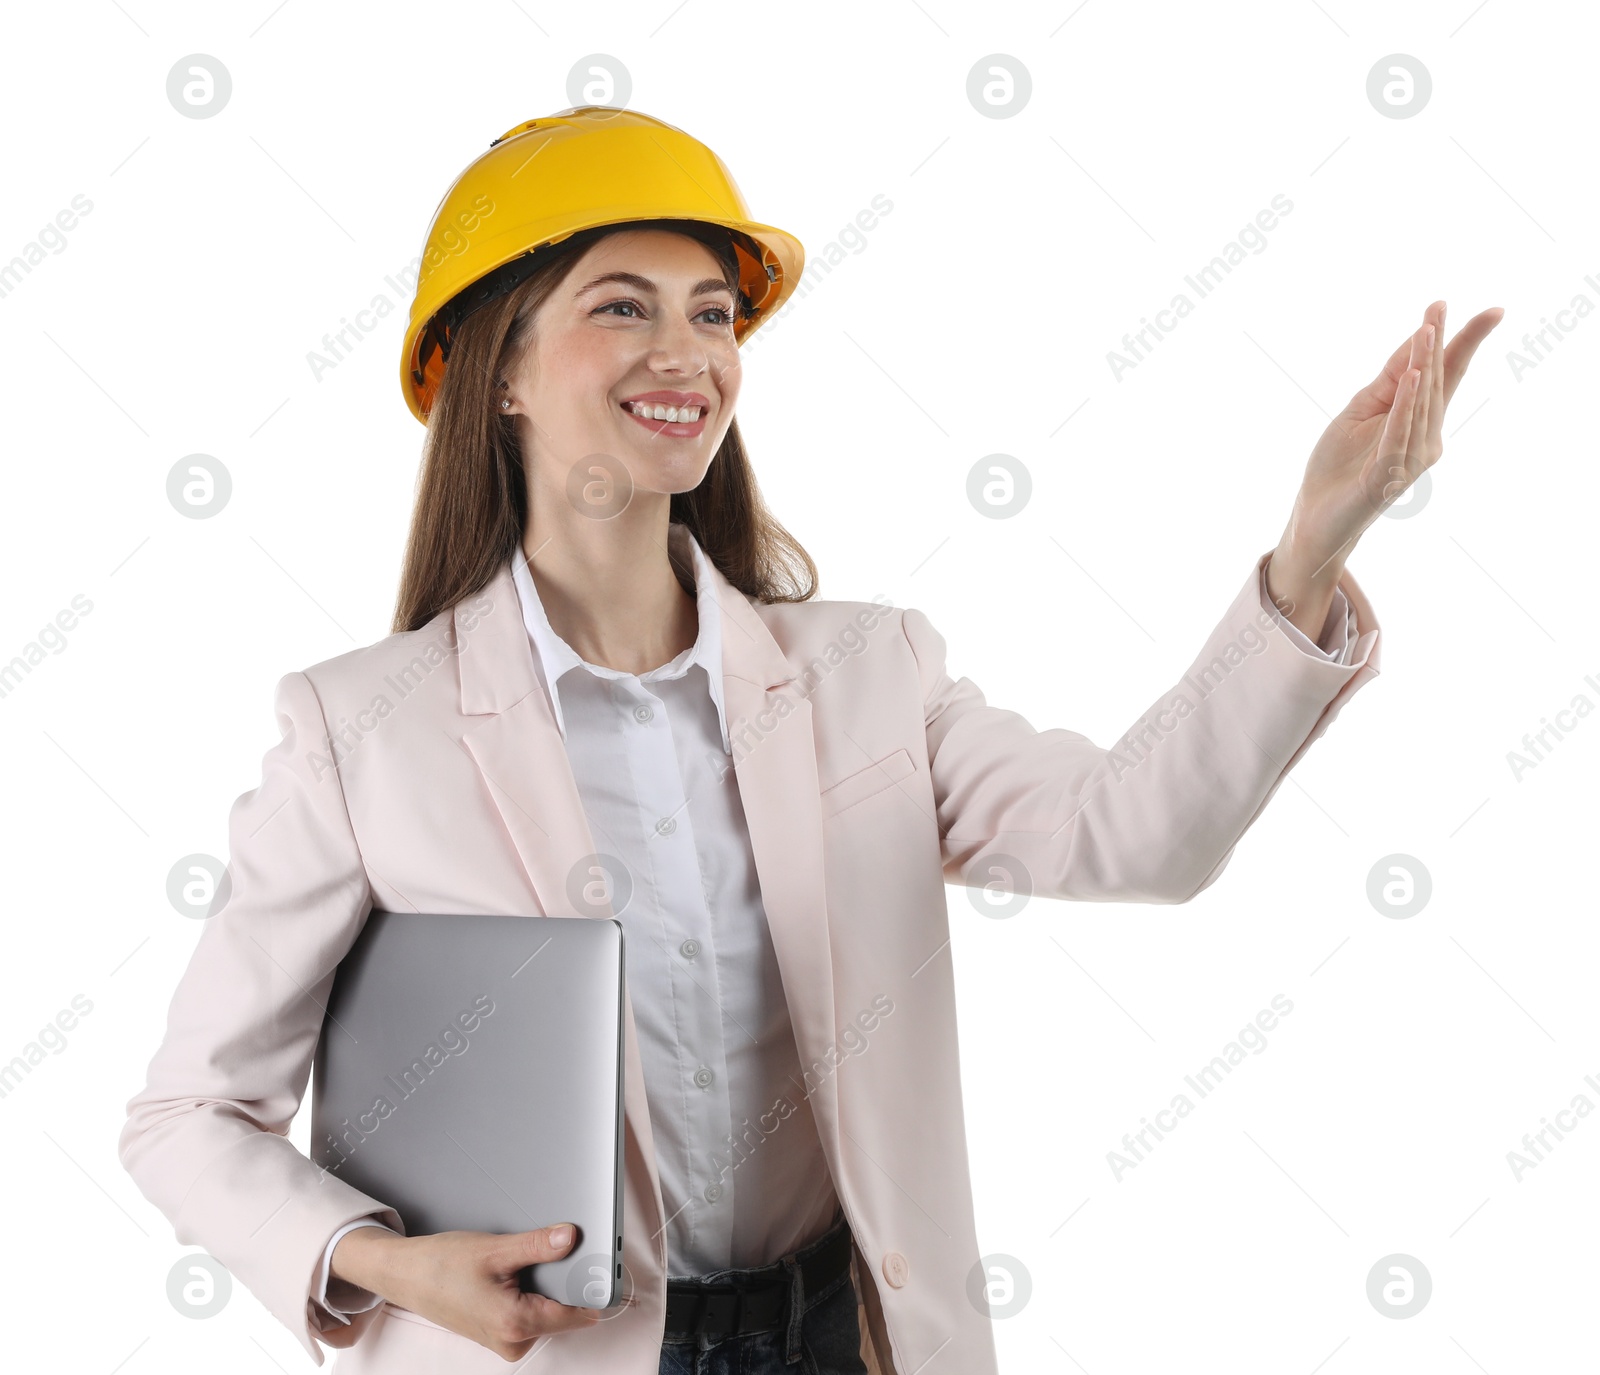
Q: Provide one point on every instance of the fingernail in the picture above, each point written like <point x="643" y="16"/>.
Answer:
<point x="561" y="1236"/>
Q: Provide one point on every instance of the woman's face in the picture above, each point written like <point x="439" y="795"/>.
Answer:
<point x="643" y="322"/>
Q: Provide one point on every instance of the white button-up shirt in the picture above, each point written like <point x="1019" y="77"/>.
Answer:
<point x="742" y="1175"/>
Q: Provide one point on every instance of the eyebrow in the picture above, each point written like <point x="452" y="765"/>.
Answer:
<point x="638" y="283"/>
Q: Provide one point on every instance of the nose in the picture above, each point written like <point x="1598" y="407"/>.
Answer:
<point x="676" y="350"/>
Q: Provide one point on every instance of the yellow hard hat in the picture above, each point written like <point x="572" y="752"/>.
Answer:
<point x="546" y="179"/>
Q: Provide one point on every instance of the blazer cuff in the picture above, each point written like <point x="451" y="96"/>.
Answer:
<point x="1338" y="631"/>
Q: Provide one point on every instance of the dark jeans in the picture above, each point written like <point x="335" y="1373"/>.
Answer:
<point x="822" y="1338"/>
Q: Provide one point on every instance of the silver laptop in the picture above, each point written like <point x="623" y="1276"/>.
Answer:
<point x="469" y="1075"/>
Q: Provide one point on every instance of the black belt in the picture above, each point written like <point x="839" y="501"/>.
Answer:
<point x="725" y="1310"/>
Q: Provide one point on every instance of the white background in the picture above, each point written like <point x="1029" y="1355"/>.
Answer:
<point x="976" y="319"/>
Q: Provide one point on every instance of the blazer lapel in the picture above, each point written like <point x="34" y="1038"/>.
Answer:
<point x="517" y="745"/>
<point x="775" y="762"/>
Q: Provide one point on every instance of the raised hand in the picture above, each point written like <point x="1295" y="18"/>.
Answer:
<point x="1388" y="435"/>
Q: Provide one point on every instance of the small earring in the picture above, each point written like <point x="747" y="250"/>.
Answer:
<point x="505" y="404"/>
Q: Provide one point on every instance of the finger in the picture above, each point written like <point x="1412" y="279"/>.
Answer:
<point x="1421" y="420"/>
<point x="1396" y="438"/>
<point x="1432" y="441"/>
<point x="1422" y="362"/>
<point x="531" y="1317"/>
<point x="1459" y="354"/>
<point x="1379" y="394"/>
<point x="536" y="1314"/>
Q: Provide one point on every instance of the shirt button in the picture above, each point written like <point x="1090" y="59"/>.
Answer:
<point x="642" y="714"/>
<point x="702" y="1077"/>
<point x="713" y="1192"/>
<point x="896" y="1269"/>
<point x="690" y="948"/>
<point x="667" y="825"/>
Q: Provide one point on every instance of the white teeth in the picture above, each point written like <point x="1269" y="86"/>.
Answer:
<point x="687" y="416"/>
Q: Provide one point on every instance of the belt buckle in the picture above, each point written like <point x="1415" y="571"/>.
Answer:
<point x="720" y="1311"/>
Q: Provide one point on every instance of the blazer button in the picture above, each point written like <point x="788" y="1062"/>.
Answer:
<point x="896" y="1269"/>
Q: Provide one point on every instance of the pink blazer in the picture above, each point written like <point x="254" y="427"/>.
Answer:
<point x="426" y="773"/>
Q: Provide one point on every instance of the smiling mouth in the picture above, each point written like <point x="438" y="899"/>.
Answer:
<point x="669" y="423"/>
<point x="654" y="410"/>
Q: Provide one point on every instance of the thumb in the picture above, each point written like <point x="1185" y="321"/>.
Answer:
<point x="545" y="1243"/>
<point x="514" y="1250"/>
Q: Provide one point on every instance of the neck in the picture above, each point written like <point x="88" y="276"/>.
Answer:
<point x="608" y="586"/>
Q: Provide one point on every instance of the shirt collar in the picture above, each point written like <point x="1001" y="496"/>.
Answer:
<point x="557" y="658"/>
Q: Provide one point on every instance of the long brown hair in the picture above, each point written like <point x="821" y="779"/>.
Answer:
<point x="472" y="496"/>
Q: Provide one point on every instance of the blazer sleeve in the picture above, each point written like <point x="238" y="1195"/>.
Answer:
<point x="206" y="1138"/>
<point x="1155" y="817"/>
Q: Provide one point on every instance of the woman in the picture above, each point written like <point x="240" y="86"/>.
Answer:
<point x="611" y="652"/>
